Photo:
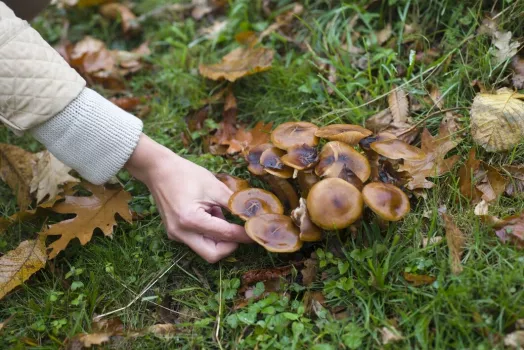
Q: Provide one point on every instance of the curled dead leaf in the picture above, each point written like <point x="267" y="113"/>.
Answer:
<point x="390" y="335"/>
<point x="456" y="242"/>
<point x="128" y="19"/>
<point x="398" y="105"/>
<point x="509" y="229"/>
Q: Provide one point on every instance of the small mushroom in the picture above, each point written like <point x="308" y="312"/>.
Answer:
<point x="272" y="163"/>
<point x="294" y="133"/>
<point x="309" y="232"/>
<point x="234" y="183"/>
<point x="347" y="133"/>
<point x="334" y="204"/>
<point x="283" y="190"/>
<point x="382" y="136"/>
<point x="306" y="180"/>
<point x="275" y="232"/>
<point x="253" y="159"/>
<point x="335" y="155"/>
<point x="386" y="200"/>
<point x="347" y="175"/>
<point x="254" y="201"/>
<point x="300" y="157"/>
<point x="397" y="149"/>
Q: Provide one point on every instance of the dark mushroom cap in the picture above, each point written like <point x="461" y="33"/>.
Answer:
<point x="275" y="232"/>
<point x="272" y="163"/>
<point x="334" y="204"/>
<point x="234" y="183"/>
<point x="253" y="159"/>
<point x="347" y="133"/>
<point x="306" y="180"/>
<point x="382" y="136"/>
<point x="300" y="157"/>
<point x="347" y="175"/>
<point x="309" y="232"/>
<point x="254" y="201"/>
<point x="294" y="133"/>
<point x="386" y="200"/>
<point x="397" y="149"/>
<point x="335" y="155"/>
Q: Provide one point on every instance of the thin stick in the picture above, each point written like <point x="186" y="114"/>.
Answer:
<point x="429" y="116"/>
<point x="99" y="317"/>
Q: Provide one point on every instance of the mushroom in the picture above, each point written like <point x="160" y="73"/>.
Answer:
<point x="347" y="175"/>
<point x="347" y="133"/>
<point x="254" y="201"/>
<point x="270" y="160"/>
<point x="283" y="190"/>
<point x="386" y="200"/>
<point x="294" y="133"/>
<point x="234" y="183"/>
<point x="300" y="157"/>
<point x="397" y="149"/>
<point x="334" y="204"/>
<point x="382" y="136"/>
<point x="309" y="232"/>
<point x="275" y="232"/>
<point x="306" y="180"/>
<point x="253" y="159"/>
<point x="335" y="155"/>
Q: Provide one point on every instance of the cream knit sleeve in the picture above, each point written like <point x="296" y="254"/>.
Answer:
<point x="91" y="135"/>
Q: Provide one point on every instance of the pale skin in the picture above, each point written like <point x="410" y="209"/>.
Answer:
<point x="189" y="198"/>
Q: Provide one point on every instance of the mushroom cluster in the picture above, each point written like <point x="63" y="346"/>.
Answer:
<point x="317" y="188"/>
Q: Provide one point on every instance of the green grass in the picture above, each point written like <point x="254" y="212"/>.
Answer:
<point x="363" y="275"/>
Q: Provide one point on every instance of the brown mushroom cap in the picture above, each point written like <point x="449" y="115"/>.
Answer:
<point x="386" y="200"/>
<point x="347" y="133"/>
<point x="234" y="183"/>
<point x="309" y="232"/>
<point x="294" y="133"/>
<point x="254" y="201"/>
<point x="347" y="175"/>
<point x="284" y="191"/>
<point x="382" y="136"/>
<point x="300" y="157"/>
<point x="335" y="155"/>
<point x="275" y="232"/>
<point x="306" y="180"/>
<point x="272" y="163"/>
<point x="334" y="204"/>
<point x="397" y="149"/>
<point x="253" y="159"/>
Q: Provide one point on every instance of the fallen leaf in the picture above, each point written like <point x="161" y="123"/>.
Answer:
<point x="95" y="211"/>
<point x="515" y="340"/>
<point x="456" y="242"/>
<point x="518" y="72"/>
<point x="418" y="280"/>
<point x="430" y="241"/>
<point x="482" y="208"/>
<point x="16" y="170"/>
<point x="128" y="19"/>
<point x="283" y="20"/>
<point x="212" y="32"/>
<point x="48" y="175"/>
<point x="239" y="63"/>
<point x="398" y="105"/>
<point x="126" y="103"/>
<point x="313" y="300"/>
<point x="5" y="322"/>
<point x="309" y="272"/>
<point x="205" y="7"/>
<point x="390" y="335"/>
<point x="515" y="186"/>
<point x="259" y="275"/>
<point x="436" y="97"/>
<point x="506" y="48"/>
<point x="246" y="139"/>
<point x="25" y="215"/>
<point x="86" y="340"/>
<point x="384" y="34"/>
<point x="509" y="229"/>
<point x="17" y="265"/>
<point x="497" y="120"/>
<point x="384" y="121"/>
<point x="166" y="330"/>
<point x="435" y="164"/>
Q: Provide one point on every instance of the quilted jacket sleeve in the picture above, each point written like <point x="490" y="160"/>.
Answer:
<point x="35" y="81"/>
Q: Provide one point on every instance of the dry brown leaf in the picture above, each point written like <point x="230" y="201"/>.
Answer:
<point x="497" y="120"/>
<point x="126" y="103"/>
<point x="456" y="242"/>
<point x="384" y="34"/>
<point x="239" y="63"/>
<point x="48" y="175"/>
<point x="282" y="20"/>
<point x="515" y="339"/>
<point x="509" y="229"/>
<point x="506" y="48"/>
<point x="244" y="139"/>
<point x="518" y="72"/>
<point x="128" y="19"/>
<point x="16" y="170"/>
<point x="205" y="7"/>
<point x="309" y="272"/>
<point x="398" y="105"/>
<point x="435" y="164"/>
<point x="165" y="330"/>
<point x="383" y="121"/>
<point x="17" y="265"/>
<point x="86" y="340"/>
<point x="95" y="211"/>
<point x="430" y="241"/>
<point x="390" y="335"/>
<point x="213" y="31"/>
<point x="515" y="186"/>
<point x="418" y="280"/>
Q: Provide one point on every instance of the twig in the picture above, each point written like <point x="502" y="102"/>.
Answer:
<point x="99" y="317"/>
<point x="429" y="116"/>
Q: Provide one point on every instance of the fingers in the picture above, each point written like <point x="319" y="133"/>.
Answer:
<point x="209" y="249"/>
<point x="221" y="194"/>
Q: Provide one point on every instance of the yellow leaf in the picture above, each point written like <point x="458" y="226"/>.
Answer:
<point x="497" y="120"/>
<point x="19" y="264"/>
<point x="239" y="63"/>
<point x="16" y="170"/>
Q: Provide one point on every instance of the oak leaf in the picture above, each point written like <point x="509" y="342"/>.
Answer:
<point x="508" y="229"/>
<point x="456" y="241"/>
<point x="128" y="19"/>
<point x="246" y="139"/>
<point x="95" y="211"/>
<point x="48" y="175"/>
<point x="16" y="170"/>
<point x="17" y="265"/>
<point x="515" y="186"/>
<point x="497" y="120"/>
<point x="435" y="164"/>
<point x="239" y="63"/>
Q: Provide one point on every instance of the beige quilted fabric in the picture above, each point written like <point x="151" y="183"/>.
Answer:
<point x="35" y="81"/>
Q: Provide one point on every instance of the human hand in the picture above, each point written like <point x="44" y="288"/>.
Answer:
<point x="189" y="199"/>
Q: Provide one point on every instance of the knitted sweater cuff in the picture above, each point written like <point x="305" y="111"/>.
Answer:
<point x="91" y="135"/>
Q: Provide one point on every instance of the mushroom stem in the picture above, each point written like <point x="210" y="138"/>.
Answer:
<point x="283" y="190"/>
